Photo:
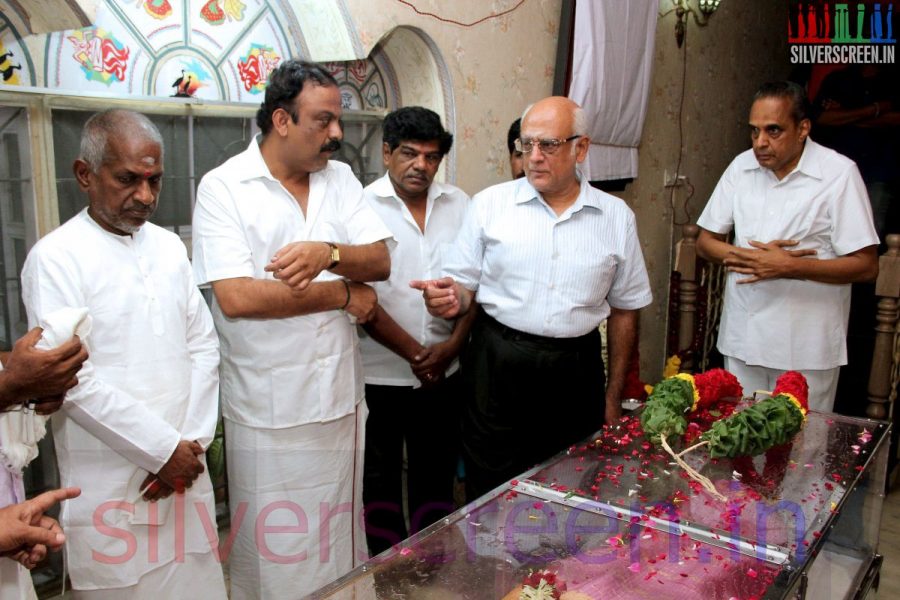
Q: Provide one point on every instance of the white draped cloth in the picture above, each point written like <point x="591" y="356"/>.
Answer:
<point x="151" y="381"/>
<point x="611" y="69"/>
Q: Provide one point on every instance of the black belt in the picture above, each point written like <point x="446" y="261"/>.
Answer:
<point x="514" y="335"/>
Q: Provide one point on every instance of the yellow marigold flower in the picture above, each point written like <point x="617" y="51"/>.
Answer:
<point x="673" y="365"/>
<point x="690" y="379"/>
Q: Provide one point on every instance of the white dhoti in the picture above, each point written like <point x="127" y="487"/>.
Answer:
<point x="295" y="496"/>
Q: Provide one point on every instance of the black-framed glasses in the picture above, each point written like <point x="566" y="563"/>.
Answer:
<point x="548" y="146"/>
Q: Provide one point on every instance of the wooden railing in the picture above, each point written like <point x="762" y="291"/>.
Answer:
<point x="885" y="358"/>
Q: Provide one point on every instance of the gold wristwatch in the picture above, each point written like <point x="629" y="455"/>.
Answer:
<point x="335" y="256"/>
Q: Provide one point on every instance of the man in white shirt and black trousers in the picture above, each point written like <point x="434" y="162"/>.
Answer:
<point x="548" y="258"/>
<point x="410" y="357"/>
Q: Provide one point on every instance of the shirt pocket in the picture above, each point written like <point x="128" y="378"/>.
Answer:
<point x="589" y="279"/>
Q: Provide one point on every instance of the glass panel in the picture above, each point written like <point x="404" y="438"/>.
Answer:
<point x="612" y="518"/>
<point x="17" y="224"/>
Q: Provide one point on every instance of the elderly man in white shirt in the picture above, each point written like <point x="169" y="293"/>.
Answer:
<point x="547" y="258"/>
<point x="283" y="235"/>
<point x="134" y="429"/>
<point x="803" y="232"/>
<point x="410" y="358"/>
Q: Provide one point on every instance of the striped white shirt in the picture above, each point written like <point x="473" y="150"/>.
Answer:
<point x="550" y="275"/>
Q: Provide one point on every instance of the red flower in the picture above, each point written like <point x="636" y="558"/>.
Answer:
<point x="715" y="384"/>
<point x="794" y="383"/>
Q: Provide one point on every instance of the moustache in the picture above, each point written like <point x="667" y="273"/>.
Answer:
<point x="331" y="146"/>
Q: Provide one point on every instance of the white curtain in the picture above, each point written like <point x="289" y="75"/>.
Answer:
<point x="611" y="60"/>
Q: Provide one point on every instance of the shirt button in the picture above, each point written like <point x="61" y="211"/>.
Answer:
<point x="552" y="286"/>
<point x="555" y="255"/>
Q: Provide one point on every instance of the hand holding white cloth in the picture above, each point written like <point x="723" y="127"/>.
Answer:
<point x="21" y="430"/>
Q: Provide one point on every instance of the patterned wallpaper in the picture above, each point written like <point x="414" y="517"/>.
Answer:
<point x="495" y="68"/>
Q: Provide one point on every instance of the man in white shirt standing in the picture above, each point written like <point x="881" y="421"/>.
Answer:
<point x="283" y="235"/>
<point x="548" y="258"/>
<point x="410" y="358"/>
<point x="134" y="429"/>
<point x="803" y="233"/>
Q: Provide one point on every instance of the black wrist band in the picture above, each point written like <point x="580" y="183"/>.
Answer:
<point x="347" y="287"/>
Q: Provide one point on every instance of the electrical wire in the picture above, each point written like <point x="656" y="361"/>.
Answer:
<point x="460" y="23"/>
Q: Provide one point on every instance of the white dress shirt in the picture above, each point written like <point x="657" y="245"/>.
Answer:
<point x="822" y="203"/>
<point x="550" y="275"/>
<point x="151" y="381"/>
<point x="280" y="372"/>
<point x="417" y="255"/>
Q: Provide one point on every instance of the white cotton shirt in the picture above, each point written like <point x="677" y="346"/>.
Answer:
<point x="280" y="372"/>
<point x="417" y="255"/>
<point x="822" y="203"/>
<point x="151" y="380"/>
<point x="549" y="275"/>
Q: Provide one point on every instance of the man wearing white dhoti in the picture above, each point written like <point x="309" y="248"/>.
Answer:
<point x="134" y="428"/>
<point x="283" y="235"/>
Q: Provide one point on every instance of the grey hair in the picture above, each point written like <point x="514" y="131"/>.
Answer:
<point x="113" y="122"/>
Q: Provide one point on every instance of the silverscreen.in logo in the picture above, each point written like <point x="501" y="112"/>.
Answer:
<point x="840" y="32"/>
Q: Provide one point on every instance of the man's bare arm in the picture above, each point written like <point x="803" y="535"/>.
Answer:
<point x="298" y="263"/>
<point x="387" y="332"/>
<point x="621" y="333"/>
<point x="249" y="298"/>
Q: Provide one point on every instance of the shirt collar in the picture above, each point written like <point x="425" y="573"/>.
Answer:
<point x="525" y="192"/>
<point x="384" y="188"/>
<point x="254" y="166"/>
<point x="137" y="236"/>
<point x="809" y="163"/>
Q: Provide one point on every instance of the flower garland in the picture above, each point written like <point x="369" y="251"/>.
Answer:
<point x="754" y="430"/>
<point x="681" y="394"/>
<point x="770" y="422"/>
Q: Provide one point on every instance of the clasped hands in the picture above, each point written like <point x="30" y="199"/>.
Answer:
<point x="178" y="474"/>
<point x="299" y="263"/>
<point x="431" y="362"/>
<point x="765" y="260"/>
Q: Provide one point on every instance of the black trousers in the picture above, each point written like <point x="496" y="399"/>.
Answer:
<point x="527" y="398"/>
<point x="427" y="420"/>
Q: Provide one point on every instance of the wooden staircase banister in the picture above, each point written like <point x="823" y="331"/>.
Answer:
<point x="887" y="289"/>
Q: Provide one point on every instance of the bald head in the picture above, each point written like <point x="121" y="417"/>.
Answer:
<point x="562" y="108"/>
<point x="551" y="171"/>
<point x="114" y="123"/>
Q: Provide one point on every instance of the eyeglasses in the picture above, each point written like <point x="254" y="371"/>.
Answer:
<point x="547" y="147"/>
